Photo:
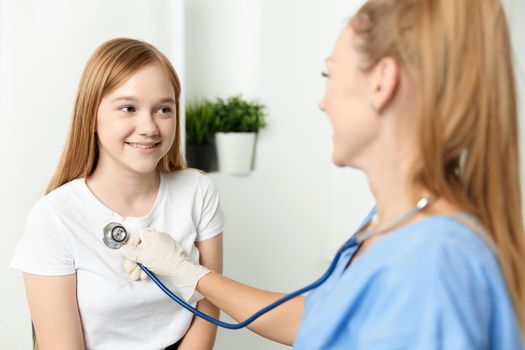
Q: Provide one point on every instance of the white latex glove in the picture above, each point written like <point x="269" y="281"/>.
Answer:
<point x="164" y="256"/>
<point x="132" y="269"/>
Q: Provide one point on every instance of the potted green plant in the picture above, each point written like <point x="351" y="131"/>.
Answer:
<point x="237" y="122"/>
<point x="200" y="122"/>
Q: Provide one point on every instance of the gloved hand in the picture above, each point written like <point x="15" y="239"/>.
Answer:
<point x="132" y="269"/>
<point x="164" y="256"/>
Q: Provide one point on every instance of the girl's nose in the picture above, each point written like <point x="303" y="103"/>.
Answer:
<point x="146" y="125"/>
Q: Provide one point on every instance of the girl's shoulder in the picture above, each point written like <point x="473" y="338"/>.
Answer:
<point x="188" y="179"/>
<point x="67" y="195"/>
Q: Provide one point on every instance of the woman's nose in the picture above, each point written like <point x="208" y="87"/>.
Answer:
<point x="322" y="104"/>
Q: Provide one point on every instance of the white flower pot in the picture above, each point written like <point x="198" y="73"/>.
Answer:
<point x="235" y="152"/>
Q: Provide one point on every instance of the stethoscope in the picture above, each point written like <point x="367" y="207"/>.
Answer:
<point x="115" y="236"/>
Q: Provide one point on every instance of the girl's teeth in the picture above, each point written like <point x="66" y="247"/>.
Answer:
<point x="139" y="145"/>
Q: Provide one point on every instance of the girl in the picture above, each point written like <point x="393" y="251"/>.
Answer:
<point x="122" y="162"/>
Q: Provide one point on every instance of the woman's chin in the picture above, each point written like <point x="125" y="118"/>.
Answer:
<point x="338" y="161"/>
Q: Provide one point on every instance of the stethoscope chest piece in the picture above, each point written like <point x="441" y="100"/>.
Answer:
<point x="115" y="235"/>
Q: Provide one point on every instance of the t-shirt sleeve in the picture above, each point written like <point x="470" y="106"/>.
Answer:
<point x="436" y="301"/>
<point x="44" y="248"/>
<point x="211" y="220"/>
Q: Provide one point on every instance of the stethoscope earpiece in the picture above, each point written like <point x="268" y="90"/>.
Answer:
<point x="115" y="235"/>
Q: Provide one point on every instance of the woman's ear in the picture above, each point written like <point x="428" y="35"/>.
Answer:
<point x="385" y="79"/>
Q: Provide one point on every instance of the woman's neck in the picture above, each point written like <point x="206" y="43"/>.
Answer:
<point x="391" y="184"/>
<point x="388" y="166"/>
<point x="393" y="198"/>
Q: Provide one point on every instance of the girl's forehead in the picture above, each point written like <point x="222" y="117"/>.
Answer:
<point x="149" y="78"/>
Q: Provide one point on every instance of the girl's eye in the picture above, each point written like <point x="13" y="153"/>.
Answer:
<point x="127" y="109"/>
<point x="164" y="110"/>
<point x="325" y="74"/>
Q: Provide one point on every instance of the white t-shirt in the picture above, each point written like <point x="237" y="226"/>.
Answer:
<point x="63" y="235"/>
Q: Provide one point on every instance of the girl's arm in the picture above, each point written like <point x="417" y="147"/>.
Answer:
<point x="54" y="310"/>
<point x="201" y="334"/>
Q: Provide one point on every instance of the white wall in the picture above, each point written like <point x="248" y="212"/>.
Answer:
<point x="276" y="217"/>
<point x="43" y="48"/>
<point x="284" y="220"/>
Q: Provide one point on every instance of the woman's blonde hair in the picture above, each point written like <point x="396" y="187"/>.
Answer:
<point x="458" y="56"/>
<point x="111" y="65"/>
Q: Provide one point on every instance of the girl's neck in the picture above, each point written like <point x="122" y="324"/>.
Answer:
<point x="126" y="193"/>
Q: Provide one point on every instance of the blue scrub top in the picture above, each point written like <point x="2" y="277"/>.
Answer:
<point x="432" y="284"/>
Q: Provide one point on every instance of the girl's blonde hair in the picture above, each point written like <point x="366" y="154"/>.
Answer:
<point x="111" y="65"/>
<point x="458" y="57"/>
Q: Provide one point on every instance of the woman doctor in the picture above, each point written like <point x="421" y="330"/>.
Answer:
<point x="421" y="97"/>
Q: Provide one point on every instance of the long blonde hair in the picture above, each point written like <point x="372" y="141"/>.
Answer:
<point x="458" y="56"/>
<point x="112" y="64"/>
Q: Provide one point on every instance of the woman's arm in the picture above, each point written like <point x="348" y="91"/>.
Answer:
<point x="241" y="301"/>
<point x="53" y="305"/>
<point x="201" y="334"/>
<point x="164" y="256"/>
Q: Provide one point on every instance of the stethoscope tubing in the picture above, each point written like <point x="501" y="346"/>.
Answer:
<point x="115" y="239"/>
<point x="352" y="242"/>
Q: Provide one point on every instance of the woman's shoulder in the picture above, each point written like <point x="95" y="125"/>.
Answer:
<point x="458" y="233"/>
<point x="442" y="245"/>
<point x="436" y="271"/>
<point x="437" y="258"/>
